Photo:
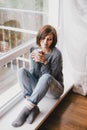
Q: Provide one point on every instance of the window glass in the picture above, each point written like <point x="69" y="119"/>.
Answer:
<point x="35" y="5"/>
<point x="18" y="23"/>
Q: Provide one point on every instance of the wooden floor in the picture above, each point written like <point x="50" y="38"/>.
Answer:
<point x="71" y="114"/>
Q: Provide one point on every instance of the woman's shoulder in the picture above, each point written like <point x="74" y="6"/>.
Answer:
<point x="56" y="51"/>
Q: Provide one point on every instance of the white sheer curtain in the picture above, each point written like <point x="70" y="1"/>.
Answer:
<point x="73" y="42"/>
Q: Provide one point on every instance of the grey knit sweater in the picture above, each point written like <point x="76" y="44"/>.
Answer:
<point x="53" y="66"/>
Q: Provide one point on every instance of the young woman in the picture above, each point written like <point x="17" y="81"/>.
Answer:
<point x="45" y="76"/>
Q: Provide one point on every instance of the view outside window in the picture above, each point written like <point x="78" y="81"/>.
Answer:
<point x="19" y="20"/>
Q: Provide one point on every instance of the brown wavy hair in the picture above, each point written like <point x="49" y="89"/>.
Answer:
<point x="44" y="31"/>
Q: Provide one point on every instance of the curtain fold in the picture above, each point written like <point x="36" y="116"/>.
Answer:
<point x="73" y="38"/>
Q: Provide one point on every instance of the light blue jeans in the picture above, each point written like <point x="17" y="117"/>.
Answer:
<point x="37" y="89"/>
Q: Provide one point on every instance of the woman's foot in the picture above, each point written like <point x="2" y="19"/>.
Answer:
<point x="34" y="112"/>
<point x="21" y="117"/>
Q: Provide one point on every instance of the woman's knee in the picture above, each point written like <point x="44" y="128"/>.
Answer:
<point x="46" y="77"/>
<point x="21" y="72"/>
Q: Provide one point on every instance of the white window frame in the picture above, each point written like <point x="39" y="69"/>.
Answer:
<point x="9" y="56"/>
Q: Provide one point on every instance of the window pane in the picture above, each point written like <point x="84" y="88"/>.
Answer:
<point x="37" y="5"/>
<point x="29" y="20"/>
<point x="14" y="39"/>
<point x="18" y="26"/>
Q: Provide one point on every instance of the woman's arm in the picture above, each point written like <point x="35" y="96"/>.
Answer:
<point x="54" y="66"/>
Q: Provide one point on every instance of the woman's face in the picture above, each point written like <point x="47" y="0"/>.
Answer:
<point x="46" y="42"/>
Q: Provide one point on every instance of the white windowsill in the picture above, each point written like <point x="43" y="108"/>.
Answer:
<point x="9" y="98"/>
<point x="45" y="111"/>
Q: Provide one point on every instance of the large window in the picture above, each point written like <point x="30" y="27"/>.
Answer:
<point x="19" y="22"/>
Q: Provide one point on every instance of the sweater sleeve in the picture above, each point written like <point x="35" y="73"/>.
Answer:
<point x="54" y="66"/>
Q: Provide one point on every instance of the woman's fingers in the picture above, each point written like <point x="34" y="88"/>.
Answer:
<point x="38" y="57"/>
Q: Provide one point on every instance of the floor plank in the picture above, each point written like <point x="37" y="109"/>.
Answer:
<point x="71" y="114"/>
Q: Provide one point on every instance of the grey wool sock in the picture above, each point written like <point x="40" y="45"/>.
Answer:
<point x="21" y="117"/>
<point x="34" y="112"/>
